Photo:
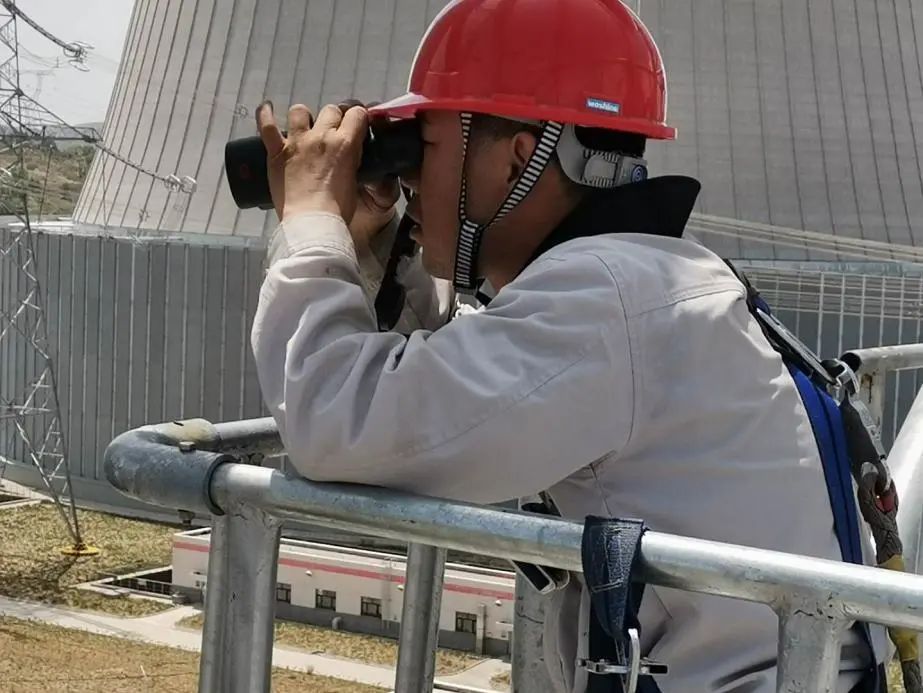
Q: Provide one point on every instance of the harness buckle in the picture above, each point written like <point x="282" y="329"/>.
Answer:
<point x="782" y="337"/>
<point x="630" y="670"/>
<point x="847" y="378"/>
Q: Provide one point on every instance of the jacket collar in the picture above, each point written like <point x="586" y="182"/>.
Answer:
<point x="658" y="206"/>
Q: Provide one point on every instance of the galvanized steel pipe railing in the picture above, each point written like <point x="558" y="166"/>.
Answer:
<point x="873" y="365"/>
<point x="183" y="466"/>
<point x="906" y="455"/>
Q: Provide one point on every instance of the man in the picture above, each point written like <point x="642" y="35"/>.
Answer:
<point x="617" y="368"/>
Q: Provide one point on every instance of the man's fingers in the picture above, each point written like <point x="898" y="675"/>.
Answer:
<point x="382" y="195"/>
<point x="299" y="118"/>
<point x="355" y="124"/>
<point x="269" y="129"/>
<point x="346" y="104"/>
<point x="329" y="118"/>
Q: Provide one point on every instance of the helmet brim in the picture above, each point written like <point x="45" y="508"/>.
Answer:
<point x="410" y="105"/>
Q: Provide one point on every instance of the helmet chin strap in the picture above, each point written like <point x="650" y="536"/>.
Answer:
<point x="471" y="234"/>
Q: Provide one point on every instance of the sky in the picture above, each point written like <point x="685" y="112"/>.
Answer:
<point x="77" y="97"/>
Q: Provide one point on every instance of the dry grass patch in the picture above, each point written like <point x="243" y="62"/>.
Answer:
<point x="895" y="678"/>
<point x="38" y="658"/>
<point x="32" y="566"/>
<point x="65" y="173"/>
<point x="364" y="648"/>
<point x="502" y="681"/>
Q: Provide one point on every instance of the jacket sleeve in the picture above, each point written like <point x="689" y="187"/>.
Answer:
<point x="494" y="405"/>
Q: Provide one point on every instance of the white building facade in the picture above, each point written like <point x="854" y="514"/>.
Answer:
<point x="362" y="591"/>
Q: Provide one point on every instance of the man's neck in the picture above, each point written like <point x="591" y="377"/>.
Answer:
<point x="510" y="245"/>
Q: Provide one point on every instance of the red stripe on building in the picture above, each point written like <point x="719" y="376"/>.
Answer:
<point x="359" y="572"/>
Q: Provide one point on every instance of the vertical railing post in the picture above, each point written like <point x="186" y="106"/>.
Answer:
<point x="873" y="389"/>
<point x="809" y="650"/>
<point x="240" y="597"/>
<point x="530" y="672"/>
<point x="416" y="658"/>
<point x="906" y="460"/>
<point x="211" y="665"/>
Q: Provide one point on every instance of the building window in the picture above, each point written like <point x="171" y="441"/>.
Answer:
<point x="283" y="592"/>
<point x="371" y="607"/>
<point x="466" y="623"/>
<point x="325" y="599"/>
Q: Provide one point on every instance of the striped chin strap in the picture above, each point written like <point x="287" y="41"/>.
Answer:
<point x="471" y="234"/>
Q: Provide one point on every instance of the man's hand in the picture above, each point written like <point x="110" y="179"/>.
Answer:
<point x="375" y="209"/>
<point x="314" y="168"/>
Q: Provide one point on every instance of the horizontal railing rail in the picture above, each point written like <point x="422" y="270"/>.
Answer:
<point x="195" y="467"/>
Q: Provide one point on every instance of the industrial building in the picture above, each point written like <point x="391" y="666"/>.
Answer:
<point x="362" y="591"/>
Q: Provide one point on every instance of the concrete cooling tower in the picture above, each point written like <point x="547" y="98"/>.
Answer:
<point x="793" y="113"/>
<point x="192" y="74"/>
<point x="798" y="113"/>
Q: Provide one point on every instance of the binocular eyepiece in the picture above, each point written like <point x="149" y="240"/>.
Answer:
<point x="391" y="149"/>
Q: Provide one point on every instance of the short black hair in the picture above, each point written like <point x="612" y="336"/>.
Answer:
<point x="497" y="128"/>
<point x="627" y="143"/>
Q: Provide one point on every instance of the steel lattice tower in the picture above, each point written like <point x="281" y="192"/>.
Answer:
<point x="30" y="418"/>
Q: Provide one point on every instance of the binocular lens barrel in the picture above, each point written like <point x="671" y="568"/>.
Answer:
<point x="391" y="149"/>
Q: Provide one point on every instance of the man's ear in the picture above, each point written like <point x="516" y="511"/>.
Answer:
<point x="522" y="144"/>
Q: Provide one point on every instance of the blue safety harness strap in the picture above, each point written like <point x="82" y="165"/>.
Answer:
<point x="827" y="424"/>
<point x="830" y="434"/>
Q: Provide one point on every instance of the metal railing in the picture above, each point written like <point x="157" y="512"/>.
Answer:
<point x="193" y="466"/>
<point x="906" y="454"/>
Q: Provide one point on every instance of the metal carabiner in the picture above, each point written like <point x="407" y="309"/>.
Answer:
<point x="630" y="670"/>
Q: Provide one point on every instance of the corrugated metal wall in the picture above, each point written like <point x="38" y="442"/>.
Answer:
<point x="153" y="331"/>
<point x="141" y="333"/>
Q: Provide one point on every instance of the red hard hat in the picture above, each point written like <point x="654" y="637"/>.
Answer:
<point x="584" y="62"/>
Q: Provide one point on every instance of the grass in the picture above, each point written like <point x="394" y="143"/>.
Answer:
<point x="895" y="680"/>
<point x="38" y="658"/>
<point x="32" y="566"/>
<point x="502" y="681"/>
<point x="364" y="648"/>
<point x="58" y="194"/>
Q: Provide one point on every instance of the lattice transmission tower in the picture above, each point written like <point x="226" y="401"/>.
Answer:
<point x="30" y="417"/>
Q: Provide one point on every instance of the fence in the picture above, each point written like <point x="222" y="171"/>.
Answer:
<point x="194" y="466"/>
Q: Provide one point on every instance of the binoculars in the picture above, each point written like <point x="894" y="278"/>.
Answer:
<point x="391" y="149"/>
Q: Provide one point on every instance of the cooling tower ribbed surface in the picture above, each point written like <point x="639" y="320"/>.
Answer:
<point x="800" y="113"/>
<point x="192" y="74"/>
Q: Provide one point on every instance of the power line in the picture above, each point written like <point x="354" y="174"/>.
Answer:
<point x="37" y="122"/>
<point x="76" y="51"/>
